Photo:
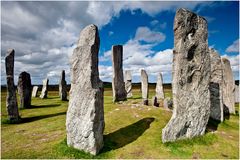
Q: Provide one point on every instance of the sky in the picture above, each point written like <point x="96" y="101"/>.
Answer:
<point x="44" y="34"/>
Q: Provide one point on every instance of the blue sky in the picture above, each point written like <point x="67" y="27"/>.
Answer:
<point x="45" y="33"/>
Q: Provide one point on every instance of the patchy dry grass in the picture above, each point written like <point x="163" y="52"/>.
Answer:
<point x="131" y="131"/>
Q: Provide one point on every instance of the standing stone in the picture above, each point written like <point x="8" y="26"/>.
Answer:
<point x="35" y="91"/>
<point x="44" y="89"/>
<point x="144" y="86"/>
<point x="236" y="91"/>
<point x="11" y="102"/>
<point x="85" y="115"/>
<point x="118" y="86"/>
<point x="215" y="86"/>
<point x="228" y="85"/>
<point x="168" y="103"/>
<point x="63" y="87"/>
<point x="155" y="101"/>
<point x="159" y="87"/>
<point x="25" y="89"/>
<point x="191" y="77"/>
<point x="128" y="83"/>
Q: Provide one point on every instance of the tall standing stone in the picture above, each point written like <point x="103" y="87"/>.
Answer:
<point x="236" y="91"/>
<point x="144" y="86"/>
<point x="159" y="87"/>
<point x="191" y="77"/>
<point x="63" y="87"/>
<point x="228" y="85"/>
<point x="128" y="83"/>
<point x="11" y="102"/>
<point x="25" y="90"/>
<point x="216" y="86"/>
<point x="85" y="115"/>
<point x="35" y="91"/>
<point x="118" y="86"/>
<point x="44" y="89"/>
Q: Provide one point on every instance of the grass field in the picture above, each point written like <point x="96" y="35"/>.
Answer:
<point x="131" y="131"/>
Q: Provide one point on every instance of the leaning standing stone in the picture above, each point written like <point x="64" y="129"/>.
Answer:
<point x="44" y="89"/>
<point x="25" y="89"/>
<point x="128" y="83"/>
<point x="159" y="87"/>
<point x="11" y="103"/>
<point x="191" y="76"/>
<point x="63" y="87"/>
<point x="228" y="85"/>
<point x="118" y="86"/>
<point x="216" y="86"/>
<point x="35" y="91"/>
<point x="144" y="86"/>
<point x="85" y="115"/>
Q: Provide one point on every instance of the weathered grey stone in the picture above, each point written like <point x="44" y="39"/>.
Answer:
<point x="63" y="87"/>
<point x="11" y="102"/>
<point x="155" y="101"/>
<point x="159" y="87"/>
<point x="236" y="91"/>
<point x="44" y="89"/>
<point x="228" y="85"/>
<point x="215" y="86"/>
<point x="168" y="103"/>
<point x="35" y="91"/>
<point x="128" y="83"/>
<point x="85" y="115"/>
<point x="144" y="86"/>
<point x="191" y="77"/>
<point x="25" y="90"/>
<point x="118" y="86"/>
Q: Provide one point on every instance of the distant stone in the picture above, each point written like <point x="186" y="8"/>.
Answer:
<point x="25" y="89"/>
<point x="85" y="115"/>
<point x="216" y="86"/>
<point x="191" y="77"/>
<point x="35" y="91"/>
<point x="128" y="83"/>
<point x="159" y="87"/>
<point x="118" y="86"/>
<point x="228" y="85"/>
<point x="44" y="89"/>
<point x="155" y="101"/>
<point x="144" y="86"/>
<point x="11" y="102"/>
<point x="236" y="91"/>
<point x="63" y="87"/>
<point x="168" y="103"/>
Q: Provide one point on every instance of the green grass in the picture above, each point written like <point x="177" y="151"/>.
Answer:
<point x="131" y="131"/>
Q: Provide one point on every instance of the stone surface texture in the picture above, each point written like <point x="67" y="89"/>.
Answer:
<point x="144" y="86"/>
<point x="128" y="83"/>
<point x="44" y="89"/>
<point x="191" y="77"/>
<point x="236" y="91"/>
<point x="11" y="102"/>
<point x="159" y="87"/>
<point x="118" y="86"/>
<point x="25" y="90"/>
<point x="85" y="115"/>
<point x="35" y="91"/>
<point x="63" y="87"/>
<point x="216" y="86"/>
<point x="228" y="86"/>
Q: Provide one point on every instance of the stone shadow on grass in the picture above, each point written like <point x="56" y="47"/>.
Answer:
<point x="44" y="106"/>
<point x="125" y="135"/>
<point x="35" y="118"/>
